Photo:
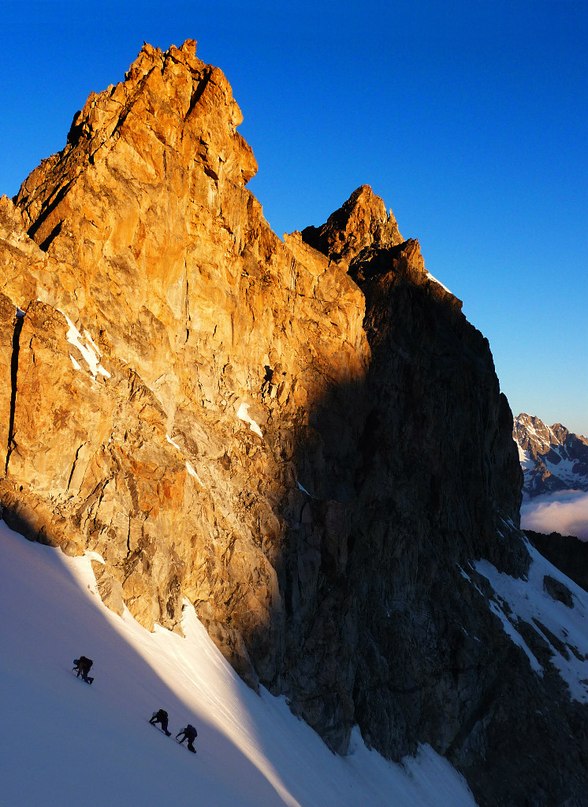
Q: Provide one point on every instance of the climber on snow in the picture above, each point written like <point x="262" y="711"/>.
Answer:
<point x="190" y="734"/>
<point x="162" y="718"/>
<point x="82" y="666"/>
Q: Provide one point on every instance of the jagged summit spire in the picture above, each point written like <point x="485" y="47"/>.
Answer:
<point x="170" y="119"/>
<point x="362" y="221"/>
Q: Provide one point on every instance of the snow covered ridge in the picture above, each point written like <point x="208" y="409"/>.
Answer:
<point x="87" y="348"/>
<point x="555" y="470"/>
<point x="553" y="606"/>
<point x="94" y="745"/>
<point x="438" y="282"/>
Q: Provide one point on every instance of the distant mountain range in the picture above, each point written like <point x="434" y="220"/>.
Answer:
<point x="552" y="457"/>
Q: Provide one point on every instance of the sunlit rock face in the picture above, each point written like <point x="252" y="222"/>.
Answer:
<point x="304" y="438"/>
<point x="168" y="445"/>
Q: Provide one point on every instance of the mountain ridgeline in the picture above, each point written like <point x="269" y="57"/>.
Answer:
<point x="305" y="438"/>
<point x="552" y="457"/>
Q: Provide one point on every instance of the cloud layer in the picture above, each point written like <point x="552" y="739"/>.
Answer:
<point x="565" y="512"/>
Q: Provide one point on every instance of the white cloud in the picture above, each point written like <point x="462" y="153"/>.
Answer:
<point x="565" y="512"/>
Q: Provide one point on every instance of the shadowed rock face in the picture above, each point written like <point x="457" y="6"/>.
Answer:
<point x="304" y="438"/>
<point x="566" y="552"/>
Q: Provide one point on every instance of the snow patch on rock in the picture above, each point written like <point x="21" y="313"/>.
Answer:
<point x="88" y="349"/>
<point x="529" y="601"/>
<point x="243" y="414"/>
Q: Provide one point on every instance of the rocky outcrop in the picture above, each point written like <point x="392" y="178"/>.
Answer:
<point x="304" y="438"/>
<point x="552" y="457"/>
<point x="362" y="222"/>
<point x="566" y="552"/>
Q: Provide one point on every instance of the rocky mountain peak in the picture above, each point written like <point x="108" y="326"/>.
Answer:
<point x="532" y="433"/>
<point x="361" y="222"/>
<point x="561" y="433"/>
<point x="552" y="457"/>
<point x="172" y="115"/>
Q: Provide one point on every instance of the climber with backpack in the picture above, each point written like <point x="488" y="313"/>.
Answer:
<point x="82" y="666"/>
<point x="190" y="734"/>
<point x="162" y="718"/>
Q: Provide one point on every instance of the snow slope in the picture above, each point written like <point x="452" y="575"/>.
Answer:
<point x="66" y="742"/>
<point x="563" y="628"/>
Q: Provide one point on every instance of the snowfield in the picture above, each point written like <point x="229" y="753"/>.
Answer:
<point x="66" y="743"/>
<point x="527" y="600"/>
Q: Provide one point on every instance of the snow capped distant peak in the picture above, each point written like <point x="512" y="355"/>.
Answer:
<point x="552" y="457"/>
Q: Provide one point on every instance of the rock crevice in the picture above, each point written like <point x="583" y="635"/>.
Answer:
<point x="11" y="444"/>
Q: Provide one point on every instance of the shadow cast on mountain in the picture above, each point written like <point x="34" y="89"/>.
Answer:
<point x="567" y="552"/>
<point x="404" y="479"/>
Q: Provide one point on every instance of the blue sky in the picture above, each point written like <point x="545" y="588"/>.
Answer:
<point x="470" y="119"/>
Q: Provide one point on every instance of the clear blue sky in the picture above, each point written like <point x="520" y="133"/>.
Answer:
<point x="469" y="118"/>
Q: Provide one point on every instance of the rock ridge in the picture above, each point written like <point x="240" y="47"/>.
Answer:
<point x="360" y="223"/>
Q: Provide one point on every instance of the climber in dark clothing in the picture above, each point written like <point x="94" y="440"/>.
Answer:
<point x="82" y="666"/>
<point x="190" y="734"/>
<point x="160" y="717"/>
